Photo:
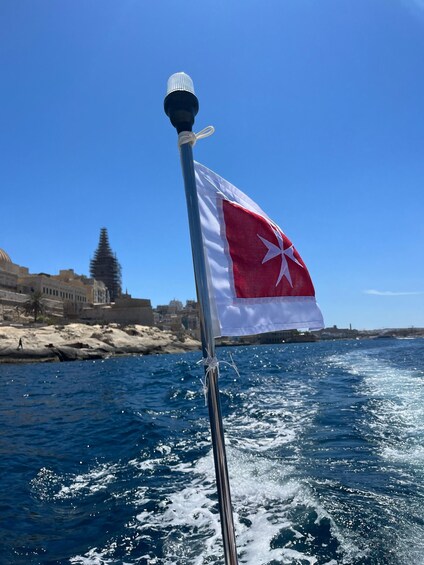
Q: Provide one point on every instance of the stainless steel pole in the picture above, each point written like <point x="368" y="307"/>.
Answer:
<point x="181" y="106"/>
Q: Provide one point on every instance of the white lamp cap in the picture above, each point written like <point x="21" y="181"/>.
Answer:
<point x="180" y="81"/>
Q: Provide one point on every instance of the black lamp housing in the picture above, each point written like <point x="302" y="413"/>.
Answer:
<point x="181" y="104"/>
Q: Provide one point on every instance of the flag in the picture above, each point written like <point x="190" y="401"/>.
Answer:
<point x="257" y="280"/>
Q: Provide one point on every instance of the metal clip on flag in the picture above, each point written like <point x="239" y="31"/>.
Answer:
<point x="181" y="105"/>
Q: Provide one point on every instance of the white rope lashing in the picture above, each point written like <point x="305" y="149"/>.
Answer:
<point x="212" y="363"/>
<point x="191" y="137"/>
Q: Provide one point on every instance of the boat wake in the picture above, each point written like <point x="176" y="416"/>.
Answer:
<point x="278" y="518"/>
<point x="392" y="423"/>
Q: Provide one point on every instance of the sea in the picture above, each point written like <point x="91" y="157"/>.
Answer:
<point x="110" y="462"/>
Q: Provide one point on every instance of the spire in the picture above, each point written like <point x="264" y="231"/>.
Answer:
<point x="104" y="246"/>
<point x="105" y="266"/>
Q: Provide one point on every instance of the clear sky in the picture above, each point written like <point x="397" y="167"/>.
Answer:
<point x="319" y="116"/>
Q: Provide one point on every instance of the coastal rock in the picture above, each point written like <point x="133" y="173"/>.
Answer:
<point x="39" y="355"/>
<point x="76" y="342"/>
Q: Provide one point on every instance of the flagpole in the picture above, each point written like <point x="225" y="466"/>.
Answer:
<point x="181" y="105"/>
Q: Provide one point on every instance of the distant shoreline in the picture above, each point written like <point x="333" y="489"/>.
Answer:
<point x="326" y="334"/>
<point x="339" y="333"/>
<point x="81" y="342"/>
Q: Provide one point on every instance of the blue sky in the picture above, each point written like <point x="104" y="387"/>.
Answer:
<point x="318" y="110"/>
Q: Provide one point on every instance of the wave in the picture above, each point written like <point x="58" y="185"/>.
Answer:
<point x="47" y="485"/>
<point x="278" y="518"/>
<point x="392" y="423"/>
<point x="396" y="403"/>
<point x="324" y="446"/>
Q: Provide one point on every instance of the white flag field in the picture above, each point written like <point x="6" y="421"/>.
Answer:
<point x="257" y="280"/>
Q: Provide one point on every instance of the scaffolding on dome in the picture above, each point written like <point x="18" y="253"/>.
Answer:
<point x="105" y="267"/>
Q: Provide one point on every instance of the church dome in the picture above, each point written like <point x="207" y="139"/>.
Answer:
<point x="4" y="256"/>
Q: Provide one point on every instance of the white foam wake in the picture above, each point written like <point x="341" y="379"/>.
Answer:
<point x="396" y="407"/>
<point x="270" y="499"/>
<point x="48" y="485"/>
<point x="394" y="424"/>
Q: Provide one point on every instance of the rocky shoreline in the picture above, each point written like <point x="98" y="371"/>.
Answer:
<point x="77" y="342"/>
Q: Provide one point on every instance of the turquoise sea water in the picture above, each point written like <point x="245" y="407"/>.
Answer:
<point x="110" y="462"/>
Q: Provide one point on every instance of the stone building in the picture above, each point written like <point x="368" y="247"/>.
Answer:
<point x="64" y="294"/>
<point x="125" y="310"/>
<point x="10" y="272"/>
<point x="105" y="267"/>
<point x="10" y="298"/>
<point x="70" y="295"/>
<point x="66" y="286"/>
<point x="178" y="318"/>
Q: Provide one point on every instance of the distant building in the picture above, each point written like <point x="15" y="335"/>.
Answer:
<point x="178" y="318"/>
<point x="337" y="333"/>
<point x="9" y="272"/>
<point x="96" y="291"/>
<point x="105" y="267"/>
<point x="66" y="286"/>
<point x="72" y="296"/>
<point x="64" y="294"/>
<point x="175" y="306"/>
<point x="285" y="336"/>
<point x="125" y="310"/>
